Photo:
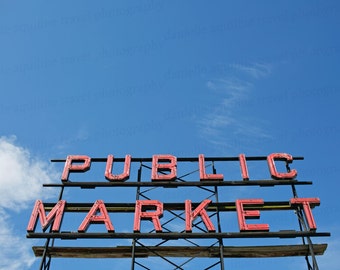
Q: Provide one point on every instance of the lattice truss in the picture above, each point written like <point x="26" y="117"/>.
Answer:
<point x="174" y="247"/>
<point x="212" y="245"/>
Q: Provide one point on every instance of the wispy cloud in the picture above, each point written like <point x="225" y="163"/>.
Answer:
<point x="21" y="178"/>
<point x="256" y="70"/>
<point x="225" y="126"/>
<point x="232" y="90"/>
<point x="81" y="134"/>
<point x="15" y="254"/>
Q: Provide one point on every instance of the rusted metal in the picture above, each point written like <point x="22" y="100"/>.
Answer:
<point x="182" y="251"/>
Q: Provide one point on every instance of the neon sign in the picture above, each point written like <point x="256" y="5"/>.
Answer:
<point x="168" y="163"/>
<point x="164" y="172"/>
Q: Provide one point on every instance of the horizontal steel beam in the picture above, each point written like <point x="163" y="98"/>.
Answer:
<point x="177" y="235"/>
<point x="181" y="251"/>
<point x="181" y="159"/>
<point x="175" y="184"/>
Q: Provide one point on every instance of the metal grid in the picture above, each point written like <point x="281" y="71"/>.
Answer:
<point x="216" y="251"/>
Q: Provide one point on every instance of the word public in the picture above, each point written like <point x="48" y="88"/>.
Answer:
<point x="164" y="167"/>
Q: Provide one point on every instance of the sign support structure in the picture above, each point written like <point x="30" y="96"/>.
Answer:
<point x="203" y="233"/>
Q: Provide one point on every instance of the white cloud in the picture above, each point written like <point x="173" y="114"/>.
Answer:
<point x="256" y="70"/>
<point x="225" y="127"/>
<point x="233" y="87"/>
<point x="15" y="254"/>
<point x="21" y="179"/>
<point x="21" y="176"/>
<point x="231" y="91"/>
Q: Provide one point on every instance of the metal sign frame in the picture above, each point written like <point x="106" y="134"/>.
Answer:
<point x="164" y="248"/>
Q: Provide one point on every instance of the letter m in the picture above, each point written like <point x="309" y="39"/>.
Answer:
<point x="55" y="216"/>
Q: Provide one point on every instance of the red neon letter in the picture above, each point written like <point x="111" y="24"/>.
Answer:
<point x="200" y="210"/>
<point x="119" y="177"/>
<point x="272" y="168"/>
<point x="306" y="203"/>
<point x="242" y="215"/>
<point x="162" y="167"/>
<point x="154" y="216"/>
<point x="55" y="214"/>
<point x="75" y="168"/>
<point x="244" y="169"/>
<point x="92" y="217"/>
<point x="203" y="175"/>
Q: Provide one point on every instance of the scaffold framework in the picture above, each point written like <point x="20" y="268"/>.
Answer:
<point x="164" y="244"/>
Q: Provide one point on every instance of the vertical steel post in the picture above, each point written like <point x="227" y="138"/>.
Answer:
<point x="43" y="264"/>
<point x="220" y="241"/>
<point x="303" y="227"/>
<point x="133" y="258"/>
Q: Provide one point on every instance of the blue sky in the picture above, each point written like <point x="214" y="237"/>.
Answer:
<point x="149" y="77"/>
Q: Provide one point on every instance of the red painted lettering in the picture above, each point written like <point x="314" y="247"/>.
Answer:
<point x="242" y="215"/>
<point x="69" y="166"/>
<point x="92" y="217"/>
<point x="203" y="175"/>
<point x="243" y="165"/>
<point x="272" y="168"/>
<point x="306" y="203"/>
<point x="120" y="177"/>
<point x="55" y="216"/>
<point x="159" y="169"/>
<point x="199" y="211"/>
<point x="141" y="213"/>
